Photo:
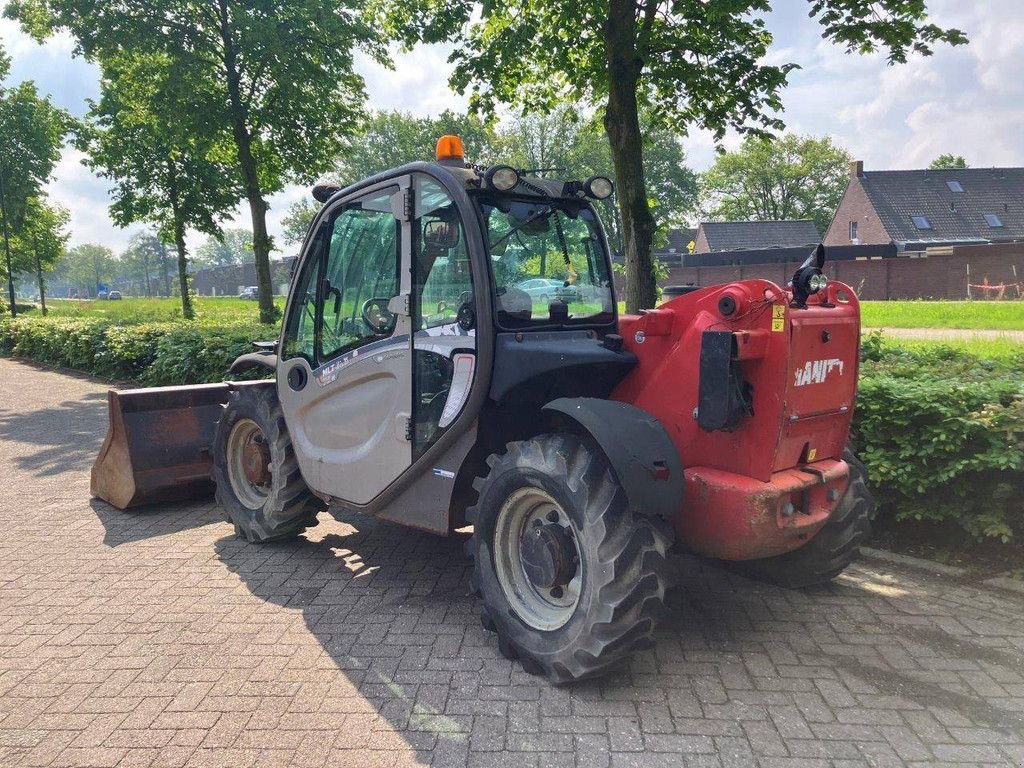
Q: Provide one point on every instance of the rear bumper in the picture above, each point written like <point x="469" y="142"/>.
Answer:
<point x="733" y="517"/>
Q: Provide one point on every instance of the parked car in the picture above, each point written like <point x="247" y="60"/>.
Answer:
<point x="541" y="288"/>
<point x="252" y="292"/>
<point x="114" y="296"/>
<point x="101" y="294"/>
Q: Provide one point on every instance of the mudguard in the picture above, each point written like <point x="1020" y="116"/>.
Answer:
<point x="253" y="360"/>
<point x="639" y="449"/>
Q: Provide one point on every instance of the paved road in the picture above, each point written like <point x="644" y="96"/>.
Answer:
<point x="158" y="639"/>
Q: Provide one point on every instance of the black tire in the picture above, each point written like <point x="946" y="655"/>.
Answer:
<point x="288" y="506"/>
<point x="832" y="549"/>
<point x="621" y="554"/>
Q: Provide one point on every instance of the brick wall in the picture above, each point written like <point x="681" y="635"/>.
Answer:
<point x="855" y="206"/>
<point x="905" y="277"/>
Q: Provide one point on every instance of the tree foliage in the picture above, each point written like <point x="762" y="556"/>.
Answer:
<point x="169" y="166"/>
<point x="948" y="160"/>
<point x="286" y="90"/>
<point x="687" y="64"/>
<point x="32" y="133"/>
<point x="145" y="265"/>
<point x="793" y="177"/>
<point x="230" y="247"/>
<point x="40" y="242"/>
<point x="297" y="221"/>
<point x="86" y="266"/>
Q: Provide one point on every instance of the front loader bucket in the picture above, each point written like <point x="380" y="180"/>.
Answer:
<point x="158" y="445"/>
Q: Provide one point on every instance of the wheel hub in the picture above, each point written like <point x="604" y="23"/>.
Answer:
<point x="256" y="463"/>
<point x="549" y="556"/>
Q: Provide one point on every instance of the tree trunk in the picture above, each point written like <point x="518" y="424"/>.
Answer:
<point x="164" y="269"/>
<point x="250" y="173"/>
<point x="186" y="295"/>
<point x="145" y="267"/>
<point x="179" y="242"/>
<point x="39" y="275"/>
<point x="622" y="124"/>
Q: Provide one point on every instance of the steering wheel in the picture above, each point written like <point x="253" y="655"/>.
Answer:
<point x="376" y="314"/>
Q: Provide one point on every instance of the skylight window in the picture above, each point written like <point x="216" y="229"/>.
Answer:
<point x="993" y="220"/>
<point x="954" y="186"/>
<point x="921" y="222"/>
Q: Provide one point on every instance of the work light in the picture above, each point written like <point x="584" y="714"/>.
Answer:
<point x="503" y="178"/>
<point x="598" y="187"/>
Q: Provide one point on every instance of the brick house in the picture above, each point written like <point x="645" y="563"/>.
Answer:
<point x="918" y="210"/>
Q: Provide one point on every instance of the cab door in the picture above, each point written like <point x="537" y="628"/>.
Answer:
<point x="345" y="381"/>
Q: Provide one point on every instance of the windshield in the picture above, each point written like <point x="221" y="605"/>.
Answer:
<point x="548" y="262"/>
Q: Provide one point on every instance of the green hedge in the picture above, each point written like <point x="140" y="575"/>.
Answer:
<point x="941" y="430"/>
<point x="942" y="434"/>
<point x="155" y="354"/>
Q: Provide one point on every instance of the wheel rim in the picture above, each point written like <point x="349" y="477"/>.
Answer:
<point x="545" y="606"/>
<point x="248" y="462"/>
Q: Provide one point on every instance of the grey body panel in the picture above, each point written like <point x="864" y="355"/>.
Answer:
<point x="461" y="435"/>
<point x="426" y="502"/>
<point x="348" y="424"/>
<point x="642" y="455"/>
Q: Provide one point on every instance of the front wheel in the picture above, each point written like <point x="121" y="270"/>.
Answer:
<point x="833" y="548"/>
<point x="571" y="579"/>
<point x="258" y="480"/>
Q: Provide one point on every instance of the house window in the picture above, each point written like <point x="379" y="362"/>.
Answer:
<point x="853" y="231"/>
<point x="993" y="220"/>
<point x="954" y="186"/>
<point x="921" y="222"/>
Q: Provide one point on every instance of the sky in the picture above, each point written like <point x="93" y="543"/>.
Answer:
<point x="967" y="100"/>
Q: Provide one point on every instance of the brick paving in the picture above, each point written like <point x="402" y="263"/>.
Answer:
<point x="157" y="638"/>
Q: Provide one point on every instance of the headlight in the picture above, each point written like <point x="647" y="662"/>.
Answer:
<point x="598" y="187"/>
<point x="503" y="178"/>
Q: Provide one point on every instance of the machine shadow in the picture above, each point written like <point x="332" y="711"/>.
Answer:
<point x="392" y="609"/>
<point x="140" y="523"/>
<point x="65" y="435"/>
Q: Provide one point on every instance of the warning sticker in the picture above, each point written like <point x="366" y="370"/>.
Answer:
<point x="778" y="317"/>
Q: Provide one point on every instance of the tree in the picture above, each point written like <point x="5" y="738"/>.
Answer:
<point x="87" y="266"/>
<point x="297" y="221"/>
<point x="32" y="133"/>
<point x="232" y="246"/>
<point x="141" y="261"/>
<point x="169" y="166"/>
<point x="947" y="160"/>
<point x="41" y="241"/>
<point x="793" y="177"/>
<point x="283" y="73"/>
<point x="687" y="64"/>
<point x="390" y="138"/>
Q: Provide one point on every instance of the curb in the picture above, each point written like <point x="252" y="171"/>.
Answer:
<point x="1005" y="583"/>
<point x="919" y="563"/>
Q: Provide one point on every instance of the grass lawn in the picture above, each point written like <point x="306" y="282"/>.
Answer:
<point x="226" y="308"/>
<point x="984" y="349"/>
<point x="995" y="315"/>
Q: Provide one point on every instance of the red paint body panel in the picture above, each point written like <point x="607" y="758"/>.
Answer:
<point x="801" y="365"/>
<point x="733" y="517"/>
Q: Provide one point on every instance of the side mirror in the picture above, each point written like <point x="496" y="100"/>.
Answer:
<point x="440" y="234"/>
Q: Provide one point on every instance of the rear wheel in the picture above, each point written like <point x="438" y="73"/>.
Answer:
<point x="258" y="480"/>
<point x="571" y="579"/>
<point x="832" y="549"/>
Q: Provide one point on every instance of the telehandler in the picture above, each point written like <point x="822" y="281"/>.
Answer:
<point x="452" y="354"/>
